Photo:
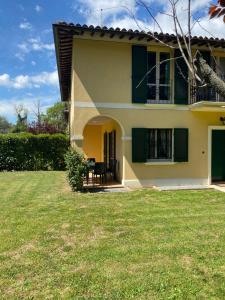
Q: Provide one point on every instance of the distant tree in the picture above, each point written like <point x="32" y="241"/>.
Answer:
<point x="22" y="115"/>
<point x="37" y="111"/>
<point x="5" y="126"/>
<point x="217" y="10"/>
<point x="55" y="116"/>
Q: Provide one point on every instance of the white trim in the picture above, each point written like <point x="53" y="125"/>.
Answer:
<point x="160" y="163"/>
<point x="83" y="104"/>
<point x="210" y="129"/>
<point x="135" y="183"/>
<point x="126" y="138"/>
<point x="77" y="138"/>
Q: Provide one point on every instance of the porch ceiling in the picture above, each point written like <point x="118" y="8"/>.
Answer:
<point x="208" y="106"/>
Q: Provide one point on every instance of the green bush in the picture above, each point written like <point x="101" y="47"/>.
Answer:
<point x="30" y="152"/>
<point x="76" y="167"/>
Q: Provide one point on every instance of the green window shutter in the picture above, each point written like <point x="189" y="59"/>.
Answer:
<point x="180" y="84"/>
<point x="180" y="144"/>
<point x="139" y="70"/>
<point x="139" y="144"/>
<point x="207" y="57"/>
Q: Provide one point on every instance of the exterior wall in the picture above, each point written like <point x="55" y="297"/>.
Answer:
<point x="101" y="80"/>
<point x="144" y="174"/>
<point x="92" y="142"/>
<point x="100" y="67"/>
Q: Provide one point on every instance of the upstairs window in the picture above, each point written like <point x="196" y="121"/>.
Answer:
<point x="159" y="83"/>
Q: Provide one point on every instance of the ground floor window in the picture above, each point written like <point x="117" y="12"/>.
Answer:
<point x="159" y="144"/>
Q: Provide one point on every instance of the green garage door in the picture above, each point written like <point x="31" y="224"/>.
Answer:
<point x="218" y="155"/>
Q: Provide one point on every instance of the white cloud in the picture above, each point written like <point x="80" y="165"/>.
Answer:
<point x="37" y="45"/>
<point x="92" y="9"/>
<point x="33" y="44"/>
<point x="38" y="8"/>
<point x="33" y="63"/>
<point x="118" y="13"/>
<point x="25" y="25"/>
<point x="26" y="81"/>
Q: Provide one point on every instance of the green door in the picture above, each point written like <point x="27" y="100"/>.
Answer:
<point x="218" y="155"/>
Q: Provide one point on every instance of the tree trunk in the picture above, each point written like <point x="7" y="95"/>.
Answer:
<point x="209" y="76"/>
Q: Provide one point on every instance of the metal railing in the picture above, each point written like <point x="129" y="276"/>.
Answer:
<point x="205" y="93"/>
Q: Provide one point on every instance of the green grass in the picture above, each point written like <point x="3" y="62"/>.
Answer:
<point x="55" y="244"/>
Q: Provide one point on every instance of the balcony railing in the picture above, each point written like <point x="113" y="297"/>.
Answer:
<point x="205" y="93"/>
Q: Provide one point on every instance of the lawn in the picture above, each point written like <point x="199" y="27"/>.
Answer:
<point x="55" y="244"/>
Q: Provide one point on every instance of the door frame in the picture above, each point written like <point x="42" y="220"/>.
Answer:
<point x="210" y="129"/>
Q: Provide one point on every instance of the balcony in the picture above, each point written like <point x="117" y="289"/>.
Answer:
<point x="206" y="99"/>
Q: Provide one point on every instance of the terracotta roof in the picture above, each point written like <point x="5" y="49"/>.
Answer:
<point x="64" y="32"/>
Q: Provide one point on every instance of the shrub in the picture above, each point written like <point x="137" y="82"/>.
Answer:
<point x="32" y="152"/>
<point x="76" y="167"/>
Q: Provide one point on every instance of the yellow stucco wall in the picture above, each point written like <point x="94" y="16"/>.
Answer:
<point x="105" y="66"/>
<point x="102" y="74"/>
<point x="196" y="122"/>
<point x="92" y="142"/>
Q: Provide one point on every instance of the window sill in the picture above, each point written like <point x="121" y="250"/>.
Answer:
<point x="160" y="163"/>
<point x="159" y="102"/>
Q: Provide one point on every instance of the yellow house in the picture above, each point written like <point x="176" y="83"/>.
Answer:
<point x="154" y="126"/>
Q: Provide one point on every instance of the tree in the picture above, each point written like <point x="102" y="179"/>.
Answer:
<point x="37" y="111"/>
<point x="22" y="115"/>
<point x="55" y="116"/>
<point x="217" y="10"/>
<point x="201" y="74"/>
<point x="4" y="125"/>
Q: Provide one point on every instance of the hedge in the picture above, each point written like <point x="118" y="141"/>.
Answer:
<point x="30" y="152"/>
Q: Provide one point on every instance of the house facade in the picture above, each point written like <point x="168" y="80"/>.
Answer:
<point x="157" y="129"/>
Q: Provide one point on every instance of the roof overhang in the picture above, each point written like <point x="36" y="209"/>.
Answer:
<point x="64" y="33"/>
<point x="208" y="106"/>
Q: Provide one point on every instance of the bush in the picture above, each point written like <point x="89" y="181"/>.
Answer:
<point x="32" y="152"/>
<point x="76" y="167"/>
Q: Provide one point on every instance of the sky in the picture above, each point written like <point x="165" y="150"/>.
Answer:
<point x="28" y="71"/>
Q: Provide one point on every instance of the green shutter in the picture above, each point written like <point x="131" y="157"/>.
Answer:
<point x="207" y="57"/>
<point x="180" y="144"/>
<point x="180" y="79"/>
<point x="139" y="70"/>
<point x="139" y="144"/>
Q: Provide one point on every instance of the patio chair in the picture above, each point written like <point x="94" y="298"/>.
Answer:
<point x="100" y="170"/>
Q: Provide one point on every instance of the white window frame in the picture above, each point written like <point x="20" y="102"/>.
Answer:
<point x="157" y="84"/>
<point x="172" y="148"/>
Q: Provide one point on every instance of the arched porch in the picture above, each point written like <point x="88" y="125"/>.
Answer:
<point x="102" y="143"/>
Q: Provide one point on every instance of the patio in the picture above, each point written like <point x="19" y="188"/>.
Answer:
<point x="102" y="147"/>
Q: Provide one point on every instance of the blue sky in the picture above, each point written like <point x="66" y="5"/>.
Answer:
<point x="27" y="56"/>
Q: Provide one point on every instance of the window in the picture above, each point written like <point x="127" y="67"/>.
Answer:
<point x="159" y="86"/>
<point x="159" y="144"/>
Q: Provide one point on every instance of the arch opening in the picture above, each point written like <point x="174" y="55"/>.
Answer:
<point x="102" y="142"/>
